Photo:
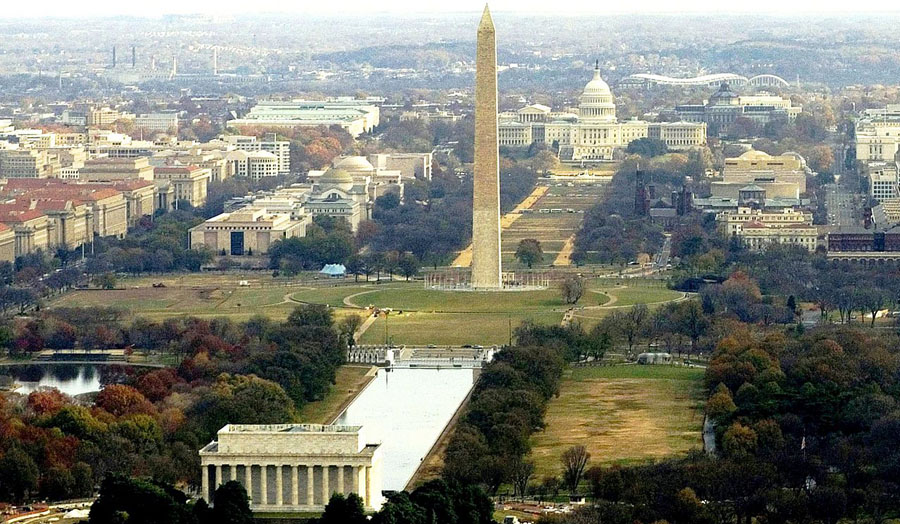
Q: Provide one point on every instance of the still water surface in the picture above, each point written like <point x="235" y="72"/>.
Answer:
<point x="406" y="410"/>
<point x="69" y="379"/>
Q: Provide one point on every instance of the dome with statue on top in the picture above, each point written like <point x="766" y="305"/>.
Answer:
<point x="596" y="101"/>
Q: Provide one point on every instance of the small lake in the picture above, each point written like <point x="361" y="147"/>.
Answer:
<point x="68" y="378"/>
<point x="406" y="410"/>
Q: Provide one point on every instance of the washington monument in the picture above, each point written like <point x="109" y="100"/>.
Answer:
<point x="486" y="191"/>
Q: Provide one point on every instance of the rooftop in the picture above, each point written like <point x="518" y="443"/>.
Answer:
<point x="289" y="428"/>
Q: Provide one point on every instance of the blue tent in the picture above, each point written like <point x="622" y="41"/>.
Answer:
<point x="334" y="270"/>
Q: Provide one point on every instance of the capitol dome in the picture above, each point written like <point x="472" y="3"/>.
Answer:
<point x="336" y="178"/>
<point x="596" y="101"/>
<point x="597" y="86"/>
<point x="355" y="163"/>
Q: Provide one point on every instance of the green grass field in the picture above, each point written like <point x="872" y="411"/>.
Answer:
<point x="350" y="380"/>
<point x="623" y="414"/>
<point x="237" y="303"/>
<point x="420" y="316"/>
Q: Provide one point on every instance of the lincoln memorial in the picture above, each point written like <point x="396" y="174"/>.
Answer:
<point x="293" y="467"/>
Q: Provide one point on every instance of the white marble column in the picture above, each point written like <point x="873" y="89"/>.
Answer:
<point x="355" y="485"/>
<point x="263" y="487"/>
<point x="368" y="485"/>
<point x="204" y="482"/>
<point x="220" y="472"/>
<point x="295" y="485"/>
<point x="326" y="491"/>
<point x="310" y="482"/>
<point x="279" y="484"/>
<point x="248" y="480"/>
<point x="340" y="486"/>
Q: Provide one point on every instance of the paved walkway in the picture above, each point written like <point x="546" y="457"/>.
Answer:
<point x="564" y="257"/>
<point x="464" y="259"/>
<point x="364" y="327"/>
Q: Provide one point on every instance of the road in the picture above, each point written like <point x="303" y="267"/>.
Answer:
<point x="661" y="260"/>
<point x="839" y="202"/>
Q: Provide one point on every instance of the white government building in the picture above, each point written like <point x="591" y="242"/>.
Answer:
<point x="356" y="116"/>
<point x="594" y="133"/>
<point x="878" y="135"/>
<point x="293" y="467"/>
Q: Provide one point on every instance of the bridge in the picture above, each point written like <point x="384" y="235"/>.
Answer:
<point x="421" y="357"/>
<point x="768" y="81"/>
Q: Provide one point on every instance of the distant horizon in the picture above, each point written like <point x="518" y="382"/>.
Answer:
<point x="61" y="10"/>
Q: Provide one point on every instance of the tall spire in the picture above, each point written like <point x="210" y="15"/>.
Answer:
<point x="596" y="65"/>
<point x="486" y="264"/>
<point x="487" y="23"/>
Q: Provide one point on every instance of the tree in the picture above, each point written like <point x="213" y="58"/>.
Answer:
<point x="20" y="475"/>
<point x="690" y="320"/>
<point x="574" y="461"/>
<point x="139" y="501"/>
<point x="739" y="440"/>
<point x="647" y="147"/>
<point x="121" y="400"/>
<point x="344" y="510"/>
<point x="544" y="161"/>
<point x="529" y="252"/>
<point x="572" y="289"/>
<point x="408" y="265"/>
<point x="348" y="327"/>
<point x="354" y="266"/>
<point x="231" y="505"/>
<point x="522" y="471"/>
<point x="720" y="404"/>
<point x="872" y="299"/>
<point x="820" y="159"/>
<point x="635" y="322"/>
<point x="58" y="484"/>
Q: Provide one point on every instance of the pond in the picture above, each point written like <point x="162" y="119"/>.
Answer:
<point x="71" y="379"/>
<point x="406" y="410"/>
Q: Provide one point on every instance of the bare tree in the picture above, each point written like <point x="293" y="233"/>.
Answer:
<point x="635" y="323"/>
<point x="572" y="289"/>
<point x="347" y="328"/>
<point x="574" y="460"/>
<point x="522" y="471"/>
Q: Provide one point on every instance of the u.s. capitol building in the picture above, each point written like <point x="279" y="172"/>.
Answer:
<point x="594" y="133"/>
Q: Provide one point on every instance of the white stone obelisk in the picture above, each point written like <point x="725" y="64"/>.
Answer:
<point x="486" y="192"/>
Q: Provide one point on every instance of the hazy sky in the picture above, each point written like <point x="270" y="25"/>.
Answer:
<point x="66" y="8"/>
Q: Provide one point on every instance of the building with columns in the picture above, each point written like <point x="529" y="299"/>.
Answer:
<point x="591" y="132"/>
<point x="293" y="467"/>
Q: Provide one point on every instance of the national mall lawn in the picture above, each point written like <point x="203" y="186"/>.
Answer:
<point x="418" y="316"/>
<point x="623" y="414"/>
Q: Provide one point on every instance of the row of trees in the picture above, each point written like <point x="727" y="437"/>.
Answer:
<point x="491" y="441"/>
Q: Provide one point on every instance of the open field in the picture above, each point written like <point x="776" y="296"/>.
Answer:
<point x="349" y="382"/>
<point x="237" y="303"/>
<point x="444" y="329"/>
<point x="420" y="316"/>
<point x="623" y="414"/>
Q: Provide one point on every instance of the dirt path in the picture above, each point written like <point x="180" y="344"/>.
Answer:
<point x="564" y="257"/>
<point x="464" y="259"/>
<point x="350" y="303"/>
